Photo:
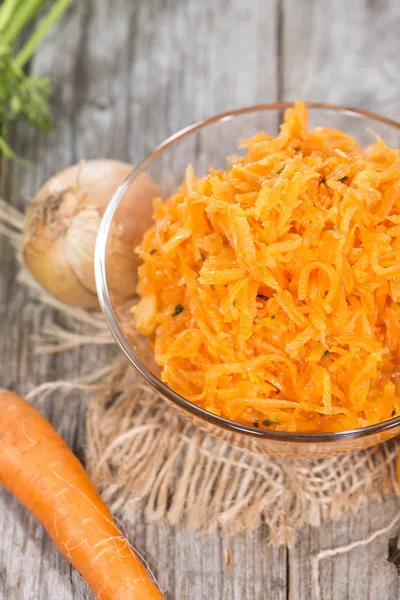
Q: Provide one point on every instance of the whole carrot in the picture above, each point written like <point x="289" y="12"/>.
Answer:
<point x="41" y="471"/>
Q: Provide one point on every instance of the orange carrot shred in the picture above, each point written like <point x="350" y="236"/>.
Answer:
<point x="292" y="253"/>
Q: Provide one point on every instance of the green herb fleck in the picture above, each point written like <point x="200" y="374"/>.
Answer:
<point x="334" y="228"/>
<point x="178" y="310"/>
<point x="358" y="297"/>
<point x="393" y="412"/>
<point x="326" y="353"/>
<point x="343" y="179"/>
<point x="262" y="297"/>
<point x="269" y="421"/>
<point x="272" y="316"/>
<point x="323" y="180"/>
<point x="255" y="424"/>
<point x="203" y="258"/>
<point x="280" y="170"/>
<point x="234" y="302"/>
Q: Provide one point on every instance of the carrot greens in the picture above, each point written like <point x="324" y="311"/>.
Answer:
<point x="24" y="96"/>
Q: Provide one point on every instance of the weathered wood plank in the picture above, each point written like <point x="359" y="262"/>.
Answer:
<point x="342" y="52"/>
<point x="127" y="74"/>
<point x="345" y="53"/>
<point x="363" y="573"/>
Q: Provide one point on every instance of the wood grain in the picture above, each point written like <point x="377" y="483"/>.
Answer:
<point x="362" y="574"/>
<point x="128" y="73"/>
<point x="344" y="53"/>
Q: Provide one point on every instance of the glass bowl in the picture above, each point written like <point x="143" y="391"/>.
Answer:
<point x="203" y="145"/>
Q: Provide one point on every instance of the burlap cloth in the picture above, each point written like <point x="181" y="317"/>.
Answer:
<point x="141" y="452"/>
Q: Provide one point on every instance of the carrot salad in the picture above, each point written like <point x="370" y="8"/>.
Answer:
<point x="271" y="290"/>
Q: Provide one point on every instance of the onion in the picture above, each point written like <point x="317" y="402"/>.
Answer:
<point x="62" y="224"/>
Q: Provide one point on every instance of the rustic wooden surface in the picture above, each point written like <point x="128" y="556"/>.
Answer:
<point x="128" y="73"/>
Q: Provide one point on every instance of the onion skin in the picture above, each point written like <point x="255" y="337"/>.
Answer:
<point x="62" y="224"/>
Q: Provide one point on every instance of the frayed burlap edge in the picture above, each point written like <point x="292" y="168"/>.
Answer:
<point x="140" y="452"/>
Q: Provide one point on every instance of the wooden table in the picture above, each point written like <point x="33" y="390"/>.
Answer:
<point x="128" y="73"/>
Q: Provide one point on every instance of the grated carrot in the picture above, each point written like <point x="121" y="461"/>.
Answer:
<point x="286" y="271"/>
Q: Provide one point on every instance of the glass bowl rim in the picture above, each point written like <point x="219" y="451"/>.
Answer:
<point x="108" y="311"/>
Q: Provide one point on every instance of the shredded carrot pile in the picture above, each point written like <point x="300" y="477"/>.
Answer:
<point x="271" y="290"/>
